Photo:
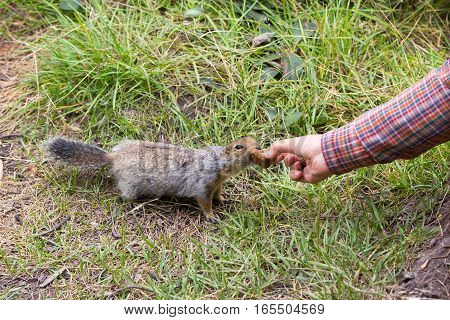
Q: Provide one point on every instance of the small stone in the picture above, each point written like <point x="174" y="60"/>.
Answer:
<point x="18" y="218"/>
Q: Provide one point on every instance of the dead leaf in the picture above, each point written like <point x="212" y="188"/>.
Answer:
<point x="292" y="117"/>
<point x="425" y="264"/>
<point x="55" y="228"/>
<point x="263" y="28"/>
<point x="269" y="73"/>
<point x="305" y="30"/>
<point x="209" y="83"/>
<point x="271" y="113"/>
<point x="32" y="169"/>
<point x="18" y="218"/>
<point x="193" y="13"/>
<point x="270" y="59"/>
<point x="1" y="169"/>
<point x="153" y="275"/>
<point x="52" y="277"/>
<point x="291" y="64"/>
<point x="262" y="39"/>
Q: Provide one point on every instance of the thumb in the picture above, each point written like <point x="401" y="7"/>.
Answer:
<point x="285" y="146"/>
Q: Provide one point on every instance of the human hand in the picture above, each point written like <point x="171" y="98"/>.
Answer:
<point x="303" y="155"/>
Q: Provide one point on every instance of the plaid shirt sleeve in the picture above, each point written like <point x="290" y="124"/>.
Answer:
<point x="403" y="128"/>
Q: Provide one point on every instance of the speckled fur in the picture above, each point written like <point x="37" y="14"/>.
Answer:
<point x="144" y="168"/>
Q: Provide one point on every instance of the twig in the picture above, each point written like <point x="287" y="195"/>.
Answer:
<point x="15" y="159"/>
<point x="132" y="211"/>
<point x="425" y="264"/>
<point x="10" y="136"/>
<point x="55" y="228"/>
<point x="140" y="206"/>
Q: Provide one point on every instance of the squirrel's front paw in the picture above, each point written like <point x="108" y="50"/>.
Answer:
<point x="212" y="219"/>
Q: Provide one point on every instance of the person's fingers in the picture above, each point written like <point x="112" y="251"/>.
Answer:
<point x="309" y="176"/>
<point x="280" y="157"/>
<point x="296" y="175"/>
<point x="296" y="172"/>
<point x="303" y="155"/>
<point x="303" y="175"/>
<point x="297" y="166"/>
<point x="290" y="159"/>
<point x="284" y="146"/>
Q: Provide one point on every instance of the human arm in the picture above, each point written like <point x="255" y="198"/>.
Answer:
<point x="403" y="128"/>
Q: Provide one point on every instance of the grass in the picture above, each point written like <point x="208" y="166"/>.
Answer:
<point x="140" y="70"/>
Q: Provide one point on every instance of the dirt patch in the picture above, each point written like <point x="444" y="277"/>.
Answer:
<point x="429" y="276"/>
<point x="188" y="104"/>
<point x="14" y="65"/>
<point x="19" y="176"/>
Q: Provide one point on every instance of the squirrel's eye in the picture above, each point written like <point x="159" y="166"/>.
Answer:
<point x="239" y="147"/>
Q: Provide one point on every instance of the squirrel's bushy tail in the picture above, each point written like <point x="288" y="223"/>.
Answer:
<point x="76" y="153"/>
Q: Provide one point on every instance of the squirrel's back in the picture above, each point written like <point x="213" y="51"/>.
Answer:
<point x="75" y="153"/>
<point x="148" y="168"/>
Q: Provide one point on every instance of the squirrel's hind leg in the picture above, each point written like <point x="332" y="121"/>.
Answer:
<point x="127" y="191"/>
<point x="206" y="205"/>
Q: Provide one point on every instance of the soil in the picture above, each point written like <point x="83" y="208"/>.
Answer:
<point x="428" y="277"/>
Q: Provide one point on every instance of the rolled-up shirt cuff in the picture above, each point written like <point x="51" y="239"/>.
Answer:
<point x="343" y="151"/>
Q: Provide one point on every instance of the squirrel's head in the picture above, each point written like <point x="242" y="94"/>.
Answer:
<point x="239" y="154"/>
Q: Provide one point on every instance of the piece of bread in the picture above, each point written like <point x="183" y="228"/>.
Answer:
<point x="257" y="157"/>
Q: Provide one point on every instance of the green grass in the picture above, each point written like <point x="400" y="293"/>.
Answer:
<point x="22" y="18"/>
<point x="119" y="71"/>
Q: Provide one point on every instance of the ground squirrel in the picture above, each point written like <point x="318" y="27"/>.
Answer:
<point x="143" y="168"/>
